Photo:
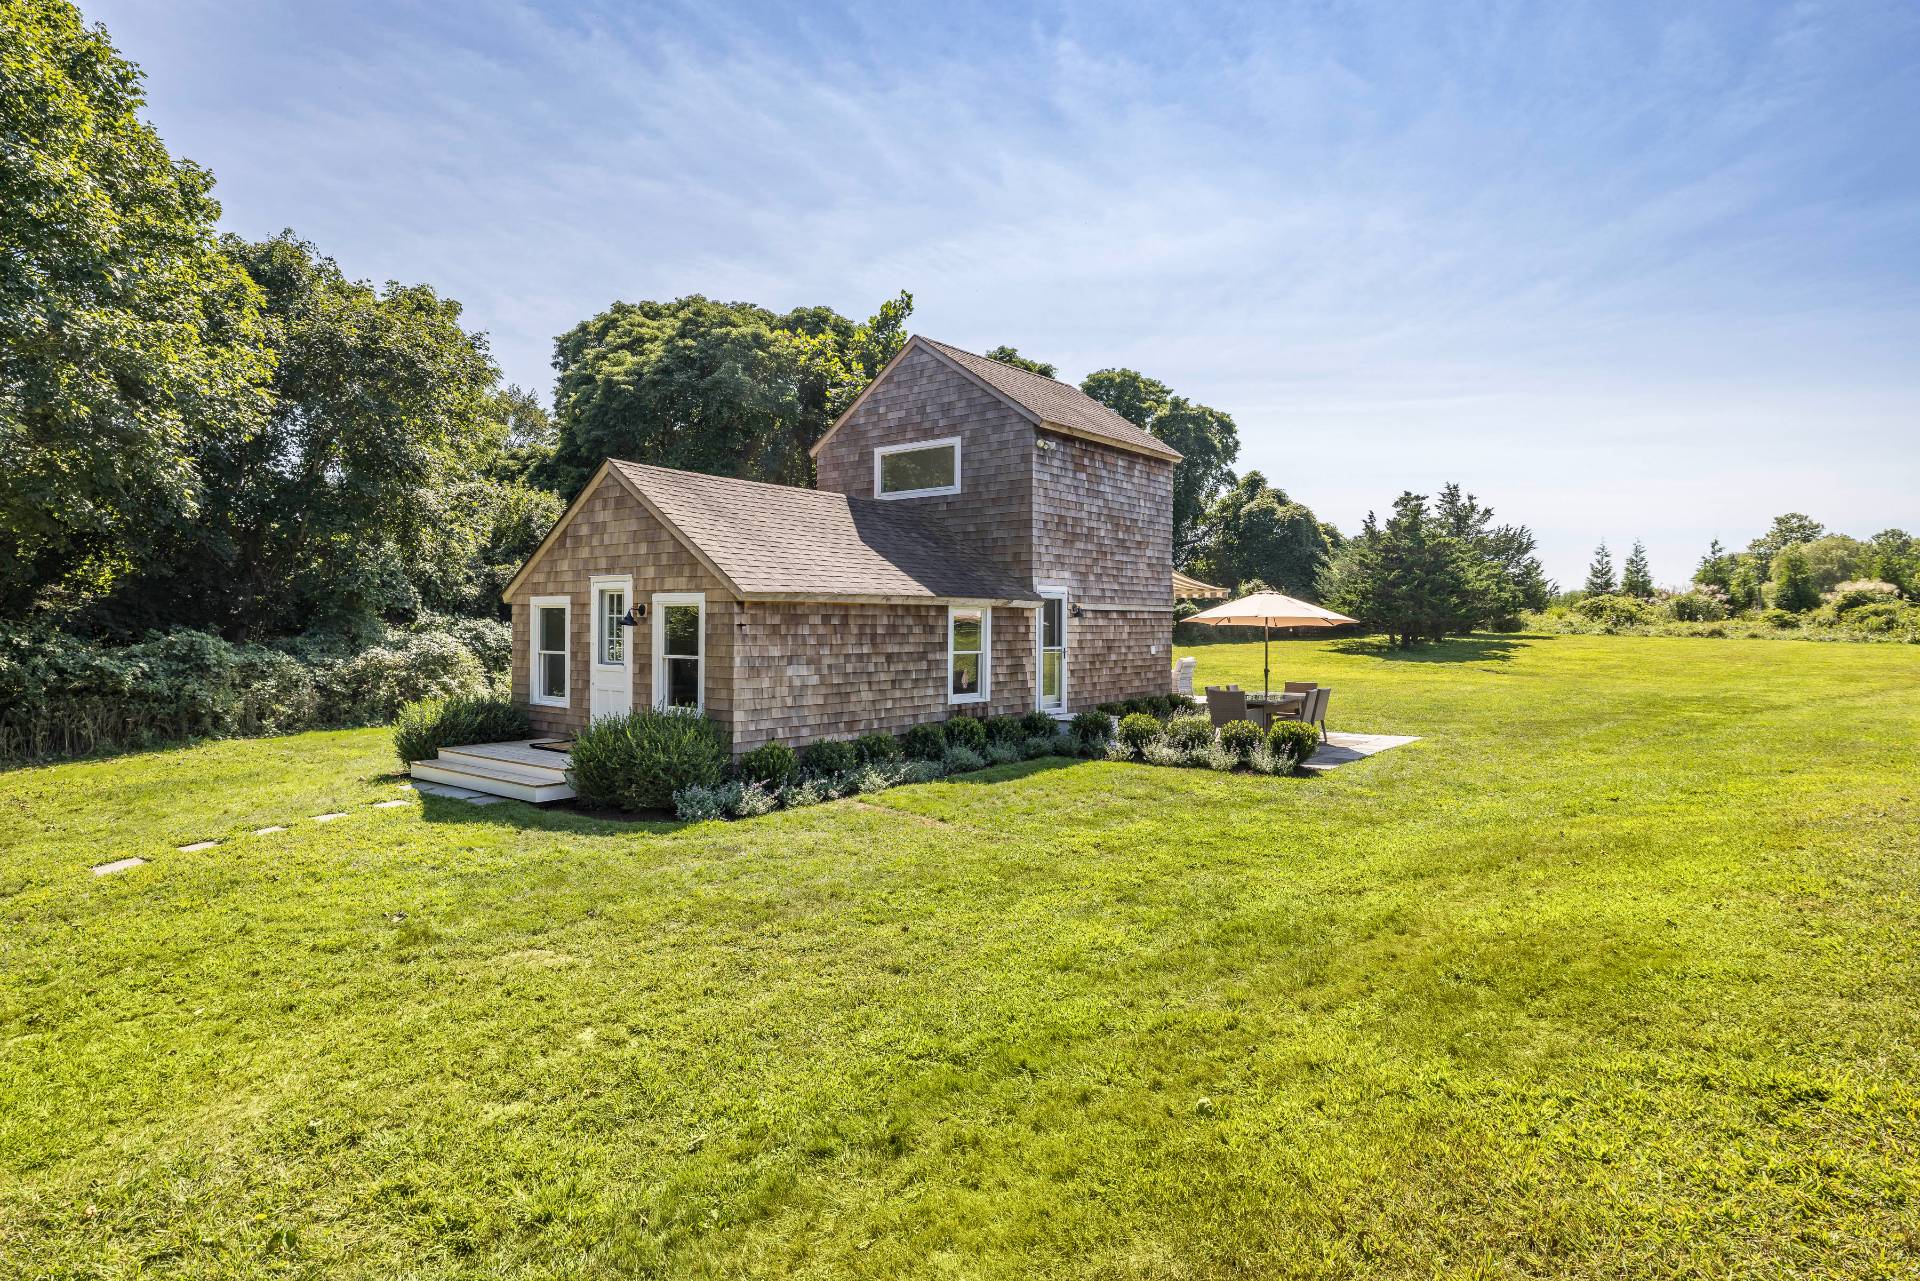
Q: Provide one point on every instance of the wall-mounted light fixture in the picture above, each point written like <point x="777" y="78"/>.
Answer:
<point x="635" y="612"/>
<point x="1074" y="610"/>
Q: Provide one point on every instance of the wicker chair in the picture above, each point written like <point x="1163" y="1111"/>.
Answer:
<point x="1225" y="705"/>
<point x="1296" y="710"/>
<point x="1315" y="709"/>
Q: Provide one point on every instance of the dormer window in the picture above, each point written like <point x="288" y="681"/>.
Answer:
<point x="919" y="469"/>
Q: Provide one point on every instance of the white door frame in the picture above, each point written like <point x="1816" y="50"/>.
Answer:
<point x="660" y="601"/>
<point x="1040" y="649"/>
<point x="609" y="685"/>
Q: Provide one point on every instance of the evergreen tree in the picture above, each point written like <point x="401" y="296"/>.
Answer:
<point x="1794" y="588"/>
<point x="1519" y="582"/>
<point x="1409" y="577"/>
<point x="1600" y="574"/>
<point x="1636" y="579"/>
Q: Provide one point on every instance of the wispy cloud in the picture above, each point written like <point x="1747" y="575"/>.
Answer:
<point x="1578" y="256"/>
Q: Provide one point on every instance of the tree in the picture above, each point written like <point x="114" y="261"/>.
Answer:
<point x="1794" y="588"/>
<point x="1011" y="356"/>
<point x="1600" y="580"/>
<point x="1636" y="579"/>
<point x="1256" y="532"/>
<point x="124" y="331"/>
<point x="384" y="421"/>
<point x="1743" y="586"/>
<point x="1410" y="578"/>
<point x="1509" y="549"/>
<point x="1834" y="559"/>
<point x="1206" y="438"/>
<point x="731" y="389"/>
<point x="1893" y="556"/>
<point x="1790" y="530"/>
<point x="1716" y="567"/>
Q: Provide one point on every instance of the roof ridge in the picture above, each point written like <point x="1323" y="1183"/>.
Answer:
<point x="981" y="355"/>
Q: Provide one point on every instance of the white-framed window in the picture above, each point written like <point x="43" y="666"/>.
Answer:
<point x="549" y="623"/>
<point x="918" y="469"/>
<point x="680" y="650"/>
<point x="969" y="653"/>
<point x="1051" y="625"/>
<point x="610" y="639"/>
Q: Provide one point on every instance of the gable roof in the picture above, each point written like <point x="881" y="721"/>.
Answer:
<point x="1049" y="402"/>
<point x="779" y="542"/>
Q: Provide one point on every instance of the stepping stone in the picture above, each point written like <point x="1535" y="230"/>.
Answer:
<point x="447" y="789"/>
<point x="327" y="818"/>
<point x="267" y="831"/>
<point x="196" y="847"/>
<point x="483" y="799"/>
<point x="118" y="865"/>
<point x="387" y="805"/>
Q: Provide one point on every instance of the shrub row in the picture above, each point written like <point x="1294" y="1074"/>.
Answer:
<point x="1863" y="612"/>
<point x="62" y="695"/>
<point x="1191" y="741"/>
<point x="654" y="760"/>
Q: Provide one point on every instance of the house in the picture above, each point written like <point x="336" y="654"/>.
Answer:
<point x="982" y="540"/>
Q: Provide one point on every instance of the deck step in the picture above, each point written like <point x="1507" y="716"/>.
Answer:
<point x="474" y="762"/>
<point x="490" y="777"/>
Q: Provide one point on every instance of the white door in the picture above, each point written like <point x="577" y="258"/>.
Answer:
<point x="612" y="667"/>
<point x="1052" y="667"/>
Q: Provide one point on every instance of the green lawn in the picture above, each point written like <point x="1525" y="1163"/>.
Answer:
<point x="1613" y="974"/>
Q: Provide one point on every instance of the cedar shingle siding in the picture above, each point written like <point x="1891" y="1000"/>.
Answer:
<point x="1056" y="491"/>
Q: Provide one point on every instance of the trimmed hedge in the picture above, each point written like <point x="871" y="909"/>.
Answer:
<point x="1241" y="737"/>
<point x="423" y="728"/>
<point x="925" y="742"/>
<point x="967" y="732"/>
<point x="878" y="749"/>
<point x="769" y="763"/>
<point x="638" y="761"/>
<point x="1295" y="741"/>
<point x="828" y="756"/>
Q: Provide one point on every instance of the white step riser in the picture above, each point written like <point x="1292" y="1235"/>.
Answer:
<point x="491" y="784"/>
<point x="493" y="767"/>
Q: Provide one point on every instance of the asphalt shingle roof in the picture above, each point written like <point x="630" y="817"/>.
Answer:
<point x="778" y="540"/>
<point x="1056" y="402"/>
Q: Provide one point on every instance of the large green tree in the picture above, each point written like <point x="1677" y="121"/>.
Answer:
<point x="1507" y="549"/>
<point x="731" y="389"/>
<point x="385" y="421"/>
<point x="125" y="333"/>
<point x="1255" y="532"/>
<point x="1409" y="577"/>
<point x="1207" y="439"/>
<point x="1893" y="556"/>
<point x="1600" y="579"/>
<point x="1011" y="356"/>
<point x="1792" y="529"/>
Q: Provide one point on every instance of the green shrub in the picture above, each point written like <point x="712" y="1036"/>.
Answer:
<point x="1293" y="742"/>
<point x="962" y="760"/>
<point x="877" y="749"/>
<point x="1115" y="710"/>
<point x="1137" y="729"/>
<point x="1238" y="737"/>
<point x="638" y="761"/>
<point x="1696" y="607"/>
<point x="967" y="732"/>
<point x="924" y="743"/>
<point x="1038" y="725"/>
<point x="1611" y="613"/>
<point x="423" y="728"/>
<point x="829" y="756"/>
<point x="697" y="804"/>
<point x="769" y="763"/>
<point x="1091" y="727"/>
<point x="1190" y="732"/>
<point x="1002" y="753"/>
<point x="1780" y="618"/>
<point x="1005" y="729"/>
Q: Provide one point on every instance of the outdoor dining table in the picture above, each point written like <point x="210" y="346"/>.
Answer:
<point x="1275" y="702"/>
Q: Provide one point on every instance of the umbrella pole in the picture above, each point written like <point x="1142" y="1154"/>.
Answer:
<point x="1265" y="666"/>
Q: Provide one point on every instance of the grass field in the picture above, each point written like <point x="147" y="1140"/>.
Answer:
<point x="1613" y="974"/>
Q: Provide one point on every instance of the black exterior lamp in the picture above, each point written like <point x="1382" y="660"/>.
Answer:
<point x="635" y="612"/>
<point x="1074" y="610"/>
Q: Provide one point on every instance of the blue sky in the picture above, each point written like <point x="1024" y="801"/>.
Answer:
<point x="1624" y="269"/>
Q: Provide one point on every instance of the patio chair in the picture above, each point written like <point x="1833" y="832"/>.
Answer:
<point x="1316" y="709"/>
<point x="1223" y="705"/>
<point x="1183" y="675"/>
<point x="1296" y="710"/>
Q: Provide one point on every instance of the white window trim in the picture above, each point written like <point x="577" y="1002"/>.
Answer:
<point x="1040" y="649"/>
<point x="911" y="445"/>
<point x="986" y="653"/>
<point x="534" y="606"/>
<point x="658" y="609"/>
<point x="594" y="586"/>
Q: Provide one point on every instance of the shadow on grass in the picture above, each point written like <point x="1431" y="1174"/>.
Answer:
<point x="1012" y="770"/>
<point x="1463" y="649"/>
<point x="556" y="817"/>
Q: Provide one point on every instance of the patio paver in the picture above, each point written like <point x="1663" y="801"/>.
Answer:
<point x="327" y="818"/>
<point x="1344" y="749"/>
<point x="196" y="846"/>
<point x="118" y="865"/>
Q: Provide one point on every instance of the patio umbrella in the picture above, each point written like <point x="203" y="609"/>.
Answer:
<point x="1269" y="610"/>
